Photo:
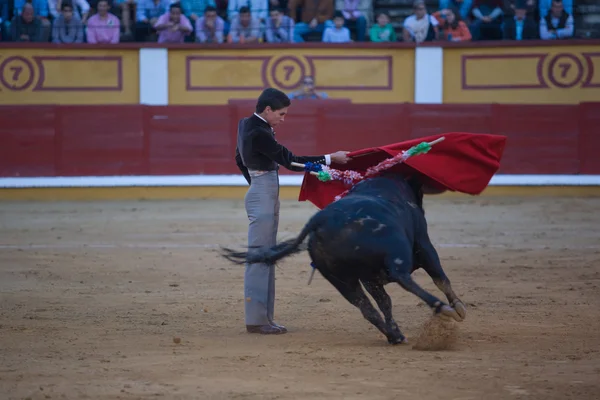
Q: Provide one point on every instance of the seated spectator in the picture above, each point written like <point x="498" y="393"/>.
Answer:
<point x="173" y="26"/>
<point x="41" y="13"/>
<point x="354" y="12"/>
<point x="383" y="31"/>
<point x="194" y="10"/>
<point x="316" y="16"/>
<point x="210" y="28"/>
<point x="308" y="90"/>
<point x="546" y="5"/>
<point x="258" y="8"/>
<point x="245" y="28"/>
<point x="103" y="27"/>
<point x="420" y="27"/>
<point x="520" y="27"/>
<point x="557" y="24"/>
<point x="337" y="33"/>
<point x="488" y="20"/>
<point x="26" y="27"/>
<point x="280" y="27"/>
<point x="67" y="27"/>
<point x="453" y="29"/>
<point x="148" y="12"/>
<point x="80" y="8"/>
<point x="463" y="6"/>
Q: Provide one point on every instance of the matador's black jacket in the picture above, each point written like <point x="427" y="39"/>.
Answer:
<point x="257" y="149"/>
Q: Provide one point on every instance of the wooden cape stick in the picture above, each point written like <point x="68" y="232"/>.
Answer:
<point x="430" y="143"/>
<point x="295" y="164"/>
<point x="299" y="165"/>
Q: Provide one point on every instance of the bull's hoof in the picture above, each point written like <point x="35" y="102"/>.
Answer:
<point x="397" y="340"/>
<point x="447" y="311"/>
<point x="460" y="308"/>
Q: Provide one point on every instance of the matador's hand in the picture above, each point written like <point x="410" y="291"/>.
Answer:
<point x="340" y="157"/>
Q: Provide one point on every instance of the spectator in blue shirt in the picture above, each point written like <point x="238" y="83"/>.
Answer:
<point x="67" y="27"/>
<point x="194" y="11"/>
<point x="210" y="28"/>
<point x="280" y="27"/>
<point x="338" y="33"/>
<point x="148" y="12"/>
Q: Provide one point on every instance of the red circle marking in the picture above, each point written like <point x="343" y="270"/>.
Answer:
<point x="292" y="85"/>
<point x="12" y="86"/>
<point x="552" y="77"/>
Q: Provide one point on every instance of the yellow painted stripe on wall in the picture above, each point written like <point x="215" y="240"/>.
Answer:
<point x="237" y="192"/>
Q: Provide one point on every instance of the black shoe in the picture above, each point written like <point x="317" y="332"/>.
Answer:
<point x="265" y="329"/>
<point x="283" y="328"/>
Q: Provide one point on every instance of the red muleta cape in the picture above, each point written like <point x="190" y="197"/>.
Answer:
<point x="463" y="162"/>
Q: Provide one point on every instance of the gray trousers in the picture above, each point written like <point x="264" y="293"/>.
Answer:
<point x="262" y="208"/>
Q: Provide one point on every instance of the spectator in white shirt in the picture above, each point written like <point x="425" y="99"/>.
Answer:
<point x="557" y="24"/>
<point x="338" y="33"/>
<point x="420" y="26"/>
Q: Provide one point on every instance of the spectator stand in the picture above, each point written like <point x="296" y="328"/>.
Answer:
<point x="586" y="14"/>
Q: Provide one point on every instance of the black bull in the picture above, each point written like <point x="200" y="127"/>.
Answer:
<point x="375" y="235"/>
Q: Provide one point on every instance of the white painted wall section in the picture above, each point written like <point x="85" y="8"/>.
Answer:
<point x="154" y="77"/>
<point x="238" y="180"/>
<point x="429" y="75"/>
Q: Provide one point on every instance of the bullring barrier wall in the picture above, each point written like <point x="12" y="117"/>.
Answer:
<point x="130" y="116"/>
<point x="134" y="145"/>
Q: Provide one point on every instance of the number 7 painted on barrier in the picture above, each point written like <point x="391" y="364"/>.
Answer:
<point x="16" y="72"/>
<point x="565" y="68"/>
<point x="289" y="69"/>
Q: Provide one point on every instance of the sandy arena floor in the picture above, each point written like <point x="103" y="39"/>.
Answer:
<point x="92" y="295"/>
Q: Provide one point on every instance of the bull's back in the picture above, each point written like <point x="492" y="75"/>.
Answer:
<point x="360" y="230"/>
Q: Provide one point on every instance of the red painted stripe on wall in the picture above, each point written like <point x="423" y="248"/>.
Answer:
<point x="37" y="141"/>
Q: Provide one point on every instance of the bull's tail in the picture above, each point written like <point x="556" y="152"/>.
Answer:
<point x="270" y="255"/>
